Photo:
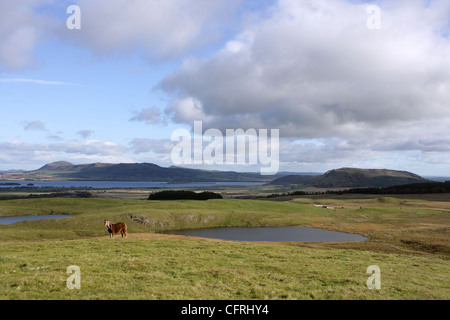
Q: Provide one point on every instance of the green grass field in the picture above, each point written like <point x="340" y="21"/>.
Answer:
<point x="409" y="241"/>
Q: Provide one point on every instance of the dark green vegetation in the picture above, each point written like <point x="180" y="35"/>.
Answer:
<point x="353" y="178"/>
<point x="413" y="188"/>
<point x="183" y="195"/>
<point x="409" y="241"/>
<point x="42" y="193"/>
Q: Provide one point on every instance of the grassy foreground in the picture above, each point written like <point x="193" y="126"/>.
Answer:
<point x="409" y="242"/>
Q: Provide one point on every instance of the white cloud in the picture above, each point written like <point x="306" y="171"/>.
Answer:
<point x="90" y="147"/>
<point x="162" y="29"/>
<point x="21" y="28"/>
<point x="186" y="109"/>
<point x="310" y="68"/>
<point x="313" y="69"/>
<point x="158" y="146"/>
<point x="23" y="152"/>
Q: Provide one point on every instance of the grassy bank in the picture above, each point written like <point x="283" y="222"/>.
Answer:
<point x="409" y="241"/>
<point x="202" y="269"/>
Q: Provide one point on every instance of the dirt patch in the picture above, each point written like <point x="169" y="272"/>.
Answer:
<point x="432" y="248"/>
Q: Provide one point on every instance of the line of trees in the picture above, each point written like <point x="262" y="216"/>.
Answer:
<point x="184" y="195"/>
<point x="294" y="193"/>
<point x="76" y="194"/>
<point x="413" y="188"/>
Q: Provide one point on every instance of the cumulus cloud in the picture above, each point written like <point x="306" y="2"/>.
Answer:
<point x="90" y="147"/>
<point x="17" y="34"/>
<point x="20" y="151"/>
<point x="21" y="28"/>
<point x="35" y="126"/>
<point x="314" y="69"/>
<point x="33" y="155"/>
<point x="158" y="146"/>
<point x="162" y="29"/>
<point x="148" y="115"/>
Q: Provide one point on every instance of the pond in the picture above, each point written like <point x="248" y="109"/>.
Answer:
<point x="10" y="220"/>
<point x="271" y="234"/>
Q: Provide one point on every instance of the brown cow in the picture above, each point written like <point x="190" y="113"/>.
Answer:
<point x="116" y="228"/>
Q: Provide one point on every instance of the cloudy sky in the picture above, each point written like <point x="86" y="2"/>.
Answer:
<point x="345" y="85"/>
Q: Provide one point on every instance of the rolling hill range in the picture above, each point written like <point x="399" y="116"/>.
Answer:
<point x="63" y="170"/>
<point x="353" y="178"/>
<point x="339" y="178"/>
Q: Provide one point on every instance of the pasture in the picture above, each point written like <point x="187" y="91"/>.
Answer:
<point x="409" y="241"/>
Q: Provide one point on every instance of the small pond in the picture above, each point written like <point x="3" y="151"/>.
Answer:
<point x="10" y="220"/>
<point x="271" y="234"/>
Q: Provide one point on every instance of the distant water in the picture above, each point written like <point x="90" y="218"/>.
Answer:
<point x="271" y="234"/>
<point x="10" y="220"/>
<point x="121" y="184"/>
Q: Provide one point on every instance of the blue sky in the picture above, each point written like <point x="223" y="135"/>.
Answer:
<point x="115" y="90"/>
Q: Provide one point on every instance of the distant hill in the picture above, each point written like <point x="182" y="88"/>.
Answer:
<point x="57" y="166"/>
<point x="67" y="167"/>
<point x="339" y="178"/>
<point x="63" y="170"/>
<point x="354" y="178"/>
<point x="12" y="171"/>
<point x="294" y="179"/>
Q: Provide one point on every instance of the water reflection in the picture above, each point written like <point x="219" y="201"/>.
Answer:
<point x="10" y="220"/>
<point x="271" y="234"/>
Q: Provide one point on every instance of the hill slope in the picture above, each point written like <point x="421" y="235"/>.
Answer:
<point x="63" y="170"/>
<point x="354" y="178"/>
<point x="294" y="179"/>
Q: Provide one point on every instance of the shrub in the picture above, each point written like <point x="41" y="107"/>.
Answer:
<point x="83" y="194"/>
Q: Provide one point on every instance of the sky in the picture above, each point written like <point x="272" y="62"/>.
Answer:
<point x="346" y="83"/>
